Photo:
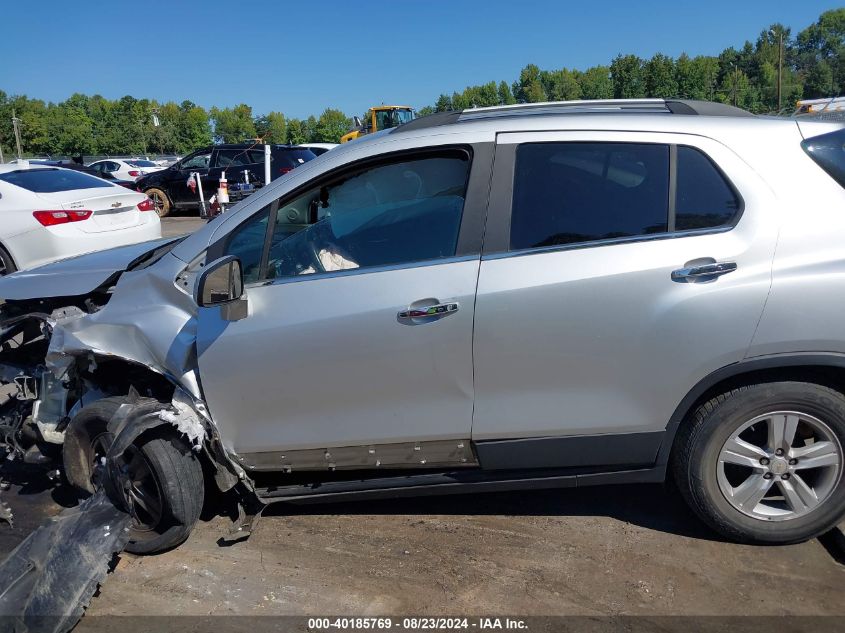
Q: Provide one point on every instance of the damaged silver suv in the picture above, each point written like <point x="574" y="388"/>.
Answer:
<point x="531" y="296"/>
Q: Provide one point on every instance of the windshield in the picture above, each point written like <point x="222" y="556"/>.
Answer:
<point x="391" y="118"/>
<point x="52" y="180"/>
<point x="404" y="116"/>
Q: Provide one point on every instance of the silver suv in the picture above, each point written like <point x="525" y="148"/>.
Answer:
<point x="530" y="296"/>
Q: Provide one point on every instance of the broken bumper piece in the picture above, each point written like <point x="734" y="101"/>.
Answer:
<point x="48" y="580"/>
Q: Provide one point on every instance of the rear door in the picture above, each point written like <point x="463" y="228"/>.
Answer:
<point x="619" y="269"/>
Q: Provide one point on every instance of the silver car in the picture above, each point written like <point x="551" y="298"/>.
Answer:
<point x="532" y="296"/>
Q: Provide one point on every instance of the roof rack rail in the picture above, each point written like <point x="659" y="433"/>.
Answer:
<point x="586" y="106"/>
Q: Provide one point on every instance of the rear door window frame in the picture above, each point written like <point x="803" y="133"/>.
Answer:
<point x="498" y="227"/>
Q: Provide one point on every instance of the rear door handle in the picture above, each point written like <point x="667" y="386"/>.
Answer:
<point x="429" y="312"/>
<point x="704" y="271"/>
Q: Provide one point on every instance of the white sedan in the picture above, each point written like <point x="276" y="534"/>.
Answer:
<point x="49" y="213"/>
<point x="125" y="168"/>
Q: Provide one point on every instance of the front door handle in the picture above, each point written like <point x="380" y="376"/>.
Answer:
<point x="429" y="312"/>
<point x="704" y="271"/>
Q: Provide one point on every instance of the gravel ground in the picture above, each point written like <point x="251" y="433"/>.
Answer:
<point x="624" y="550"/>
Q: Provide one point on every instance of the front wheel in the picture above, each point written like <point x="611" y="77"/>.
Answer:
<point x="161" y="477"/>
<point x="764" y="463"/>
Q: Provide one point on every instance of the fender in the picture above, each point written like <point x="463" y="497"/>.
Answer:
<point x="769" y="363"/>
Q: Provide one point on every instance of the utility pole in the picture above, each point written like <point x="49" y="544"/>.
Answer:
<point x="736" y="80"/>
<point x="16" y="125"/>
<point x="780" y="66"/>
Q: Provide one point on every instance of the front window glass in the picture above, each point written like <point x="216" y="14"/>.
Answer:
<point x="403" y="212"/>
<point x="247" y="244"/>
<point x="200" y="161"/>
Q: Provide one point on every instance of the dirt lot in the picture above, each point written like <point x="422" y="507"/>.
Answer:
<point x="594" y="551"/>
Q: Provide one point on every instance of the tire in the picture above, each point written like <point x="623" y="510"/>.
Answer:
<point x="178" y="474"/>
<point x="172" y="476"/>
<point x="7" y="264"/>
<point x="162" y="202"/>
<point x="726" y="454"/>
<point x="86" y="439"/>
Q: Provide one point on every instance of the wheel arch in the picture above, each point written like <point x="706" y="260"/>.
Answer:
<point x="9" y="252"/>
<point x="827" y="369"/>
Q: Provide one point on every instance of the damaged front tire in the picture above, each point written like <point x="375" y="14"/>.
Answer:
<point x="163" y="484"/>
<point x="159" y="481"/>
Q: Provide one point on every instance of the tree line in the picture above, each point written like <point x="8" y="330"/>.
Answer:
<point x="812" y="62"/>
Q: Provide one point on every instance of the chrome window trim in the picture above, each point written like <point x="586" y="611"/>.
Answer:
<point x="608" y="242"/>
<point x="455" y="259"/>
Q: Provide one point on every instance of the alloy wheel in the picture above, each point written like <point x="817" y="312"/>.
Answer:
<point x="142" y="491"/>
<point x="780" y="465"/>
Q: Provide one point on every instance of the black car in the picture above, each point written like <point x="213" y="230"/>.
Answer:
<point x="243" y="163"/>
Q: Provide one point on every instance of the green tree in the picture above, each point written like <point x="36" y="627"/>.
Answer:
<point x="821" y="52"/>
<point x="271" y="127"/>
<point x="595" y="83"/>
<point x="626" y="73"/>
<point x="233" y="125"/>
<point x="193" y="128"/>
<point x="560" y="85"/>
<point x="331" y="125"/>
<point x="70" y="128"/>
<point x="529" y="87"/>
<point x="659" y="77"/>
<point x="444" y="103"/>
<point x="505" y="94"/>
<point x="297" y="132"/>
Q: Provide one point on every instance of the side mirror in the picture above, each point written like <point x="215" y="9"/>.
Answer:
<point x="222" y="284"/>
<point x="356" y="122"/>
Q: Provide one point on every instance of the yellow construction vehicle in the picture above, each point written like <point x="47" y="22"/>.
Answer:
<point x="379" y="118"/>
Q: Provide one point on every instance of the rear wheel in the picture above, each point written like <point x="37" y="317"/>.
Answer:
<point x="160" y="200"/>
<point x="7" y="266"/>
<point x="765" y="462"/>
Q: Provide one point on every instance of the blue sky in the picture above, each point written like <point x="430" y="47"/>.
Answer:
<point x="301" y="57"/>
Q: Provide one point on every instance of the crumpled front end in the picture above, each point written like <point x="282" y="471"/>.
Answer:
<point x="136" y="337"/>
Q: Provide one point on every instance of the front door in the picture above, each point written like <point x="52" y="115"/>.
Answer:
<point x="357" y="350"/>
<point x="619" y="269"/>
<point x="180" y="191"/>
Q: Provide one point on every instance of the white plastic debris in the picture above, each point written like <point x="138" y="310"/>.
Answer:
<point x="183" y="417"/>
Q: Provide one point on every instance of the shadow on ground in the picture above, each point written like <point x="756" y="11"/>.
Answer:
<point x="650" y="506"/>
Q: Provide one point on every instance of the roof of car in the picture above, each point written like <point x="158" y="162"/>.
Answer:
<point x="18" y="166"/>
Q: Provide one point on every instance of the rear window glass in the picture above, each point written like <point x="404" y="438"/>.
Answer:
<point x="233" y="158"/>
<point x="703" y="199"/>
<point x="294" y="157"/>
<point x="142" y="163"/>
<point x="566" y="193"/>
<point x="52" y="180"/>
<point x="828" y="150"/>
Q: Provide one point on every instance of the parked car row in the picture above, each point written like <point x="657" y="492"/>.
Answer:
<point x="173" y="188"/>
